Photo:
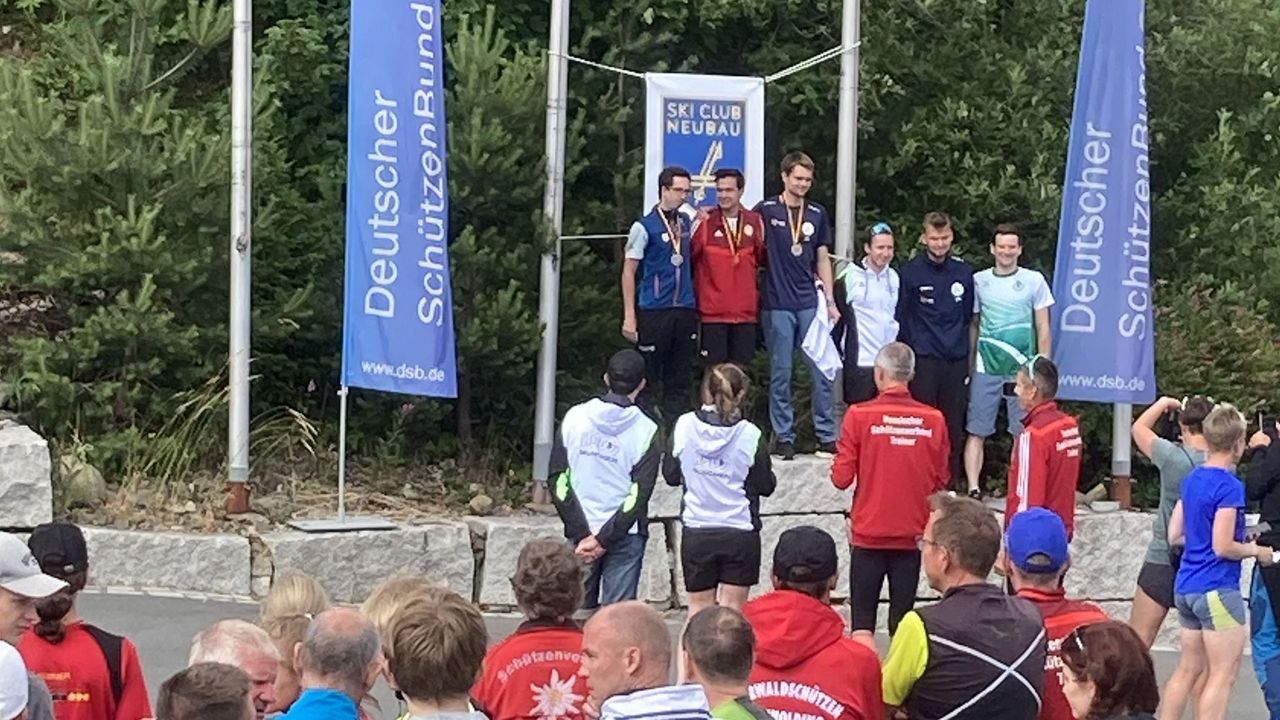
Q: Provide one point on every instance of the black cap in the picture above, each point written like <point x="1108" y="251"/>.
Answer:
<point x="626" y="370"/>
<point x="804" y="554"/>
<point x="59" y="548"/>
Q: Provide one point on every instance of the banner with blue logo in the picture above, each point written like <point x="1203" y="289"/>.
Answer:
<point x="1102" y="326"/>
<point x="398" y="307"/>
<point x="704" y="123"/>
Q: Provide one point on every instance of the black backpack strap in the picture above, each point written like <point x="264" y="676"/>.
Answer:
<point x="112" y="649"/>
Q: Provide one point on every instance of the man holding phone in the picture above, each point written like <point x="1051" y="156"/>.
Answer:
<point x="1010" y="326"/>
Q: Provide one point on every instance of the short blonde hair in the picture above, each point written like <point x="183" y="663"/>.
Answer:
<point x="295" y="599"/>
<point x="386" y="599"/>
<point x="437" y="647"/>
<point x="1224" y="428"/>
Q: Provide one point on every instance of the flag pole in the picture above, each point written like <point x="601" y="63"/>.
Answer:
<point x="241" y="245"/>
<point x="847" y="128"/>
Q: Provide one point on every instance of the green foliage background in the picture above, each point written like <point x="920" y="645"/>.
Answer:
<point x="114" y="171"/>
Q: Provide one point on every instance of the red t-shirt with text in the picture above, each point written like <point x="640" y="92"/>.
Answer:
<point x="534" y="675"/>
<point x="76" y="672"/>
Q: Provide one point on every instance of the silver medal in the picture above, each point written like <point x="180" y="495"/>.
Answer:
<point x="677" y="260"/>
<point x="797" y="249"/>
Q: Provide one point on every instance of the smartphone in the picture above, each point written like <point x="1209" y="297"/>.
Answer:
<point x="1009" y="389"/>
<point x="1253" y="532"/>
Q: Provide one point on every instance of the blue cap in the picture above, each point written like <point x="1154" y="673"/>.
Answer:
<point x="1036" y="542"/>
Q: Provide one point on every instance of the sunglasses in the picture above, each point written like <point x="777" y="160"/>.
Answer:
<point x="879" y="228"/>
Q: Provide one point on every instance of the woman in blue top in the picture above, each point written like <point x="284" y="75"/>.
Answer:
<point x="1209" y="521"/>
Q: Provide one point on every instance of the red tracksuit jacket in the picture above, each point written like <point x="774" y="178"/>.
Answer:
<point x="1061" y="616"/>
<point x="726" y="291"/>
<point x="1045" y="468"/>
<point x="896" y="449"/>
<point x="805" y="666"/>
<point x="534" y="674"/>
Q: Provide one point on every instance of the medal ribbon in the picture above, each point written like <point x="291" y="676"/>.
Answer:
<point x="794" y="225"/>
<point x="735" y="239"/>
<point x="674" y="235"/>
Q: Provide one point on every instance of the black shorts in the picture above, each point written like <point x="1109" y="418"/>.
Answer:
<point x="712" y="556"/>
<point x="1156" y="581"/>
<point x="728" y="342"/>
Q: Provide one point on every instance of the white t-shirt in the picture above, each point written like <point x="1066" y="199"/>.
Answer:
<point x="1006" y="306"/>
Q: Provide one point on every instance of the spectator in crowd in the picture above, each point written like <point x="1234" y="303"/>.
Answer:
<point x="935" y="310"/>
<point x="22" y="583"/>
<point x="1262" y="485"/>
<point x="1045" y="468"/>
<point x="383" y="604"/>
<point x="91" y="673"/>
<point x="533" y="673"/>
<point x="867" y="297"/>
<point x="719" y="650"/>
<point x="1108" y="674"/>
<point x="1037" y="554"/>
<point x="626" y="660"/>
<point x="722" y="460"/>
<point x="206" y="691"/>
<point x="438" y="647"/>
<point x="340" y="658"/>
<point x="289" y="607"/>
<point x="1209" y="521"/>
<point x="662" y="320"/>
<point x="805" y="666"/>
<point x="798" y="247"/>
<point x="14" y="685"/>
<point x="895" y="449"/>
<point x="1153" y="597"/>
<point x="1010" y="326"/>
<point x="246" y="646"/>
<point x="727" y="249"/>
<point x="603" y="467"/>
<point x="978" y="654"/>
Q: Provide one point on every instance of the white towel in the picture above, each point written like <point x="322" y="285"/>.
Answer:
<point x="818" y="344"/>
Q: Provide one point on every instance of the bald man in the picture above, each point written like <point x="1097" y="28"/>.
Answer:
<point x="340" y="657"/>
<point x="626" y="660"/>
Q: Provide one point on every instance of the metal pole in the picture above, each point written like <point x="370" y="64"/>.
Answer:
<point x="1121" y="438"/>
<point x="241" y="235"/>
<point x="342" y="453"/>
<point x="847" y="138"/>
<point x="552" y="209"/>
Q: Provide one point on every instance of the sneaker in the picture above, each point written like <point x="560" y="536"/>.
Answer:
<point x="976" y="494"/>
<point x="826" y="450"/>
<point x="785" y="450"/>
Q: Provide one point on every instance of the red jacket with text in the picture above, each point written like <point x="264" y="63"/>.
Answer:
<point x="1045" y="468"/>
<point x="534" y="674"/>
<point x="805" y="666"/>
<point x="724" y="266"/>
<point x="896" y="450"/>
<point x="1061" y="616"/>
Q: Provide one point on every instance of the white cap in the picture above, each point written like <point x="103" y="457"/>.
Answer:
<point x="13" y="682"/>
<point x="20" y="572"/>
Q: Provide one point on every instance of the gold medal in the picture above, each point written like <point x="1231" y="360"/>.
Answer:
<point x="735" y="238"/>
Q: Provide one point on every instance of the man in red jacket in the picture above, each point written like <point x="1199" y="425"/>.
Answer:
<point x="1037" y="556"/>
<point x="805" y="666"/>
<point x="1045" y="468"/>
<point x="896" y="449"/>
<point x="727" y="248"/>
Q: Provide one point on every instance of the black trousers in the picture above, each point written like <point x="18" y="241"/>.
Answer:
<point x="941" y="383"/>
<point x="728" y="342"/>
<point x="668" y="340"/>
<point x="867" y="571"/>
<point x="859" y="384"/>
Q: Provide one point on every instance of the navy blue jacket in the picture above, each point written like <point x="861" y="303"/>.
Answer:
<point x="935" y="307"/>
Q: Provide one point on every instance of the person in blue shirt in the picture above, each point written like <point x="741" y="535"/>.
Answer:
<point x="1209" y="521"/>
<point x="340" y="658"/>
<point x="935" y="313"/>
<point x="798" y="252"/>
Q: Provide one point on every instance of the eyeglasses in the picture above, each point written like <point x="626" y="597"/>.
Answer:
<point x="922" y="541"/>
<point x="878" y="228"/>
<point x="1079" y="643"/>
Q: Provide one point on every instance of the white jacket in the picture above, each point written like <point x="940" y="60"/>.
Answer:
<point x="818" y="344"/>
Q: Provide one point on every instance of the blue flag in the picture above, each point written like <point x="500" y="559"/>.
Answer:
<point x="398" y="305"/>
<point x="1102" y="327"/>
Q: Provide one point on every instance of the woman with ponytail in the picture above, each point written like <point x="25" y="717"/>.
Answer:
<point x="92" y="674"/>
<point x="722" y="460"/>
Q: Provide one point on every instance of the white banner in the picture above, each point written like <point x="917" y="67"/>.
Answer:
<point x="704" y="123"/>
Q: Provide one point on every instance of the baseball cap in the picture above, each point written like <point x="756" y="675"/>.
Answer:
<point x="626" y="370"/>
<point x="804" y="554"/>
<point x="59" y="548"/>
<point x="1036" y="541"/>
<point x="13" y="682"/>
<point x="20" y="573"/>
